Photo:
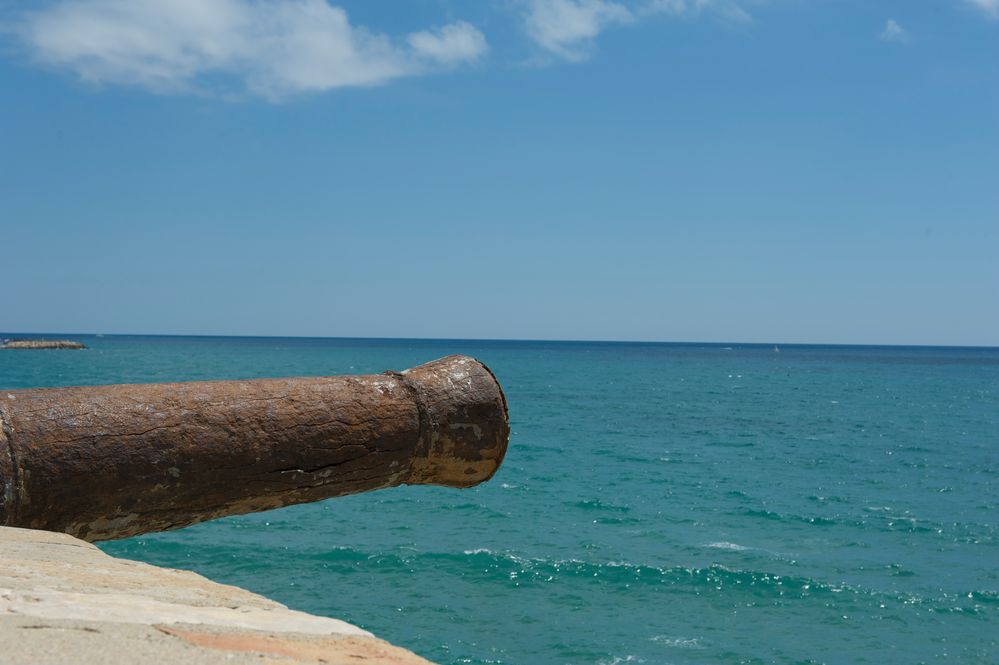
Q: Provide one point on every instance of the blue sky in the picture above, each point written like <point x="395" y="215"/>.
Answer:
<point x="689" y="170"/>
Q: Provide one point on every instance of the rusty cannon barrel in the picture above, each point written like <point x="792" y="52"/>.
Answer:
<point x="107" y="462"/>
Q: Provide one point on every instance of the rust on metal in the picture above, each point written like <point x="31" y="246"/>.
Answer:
<point x="107" y="462"/>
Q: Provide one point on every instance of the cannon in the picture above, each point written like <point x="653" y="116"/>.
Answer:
<point x="106" y="462"/>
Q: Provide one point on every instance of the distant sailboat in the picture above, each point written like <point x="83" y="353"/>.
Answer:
<point x="776" y="350"/>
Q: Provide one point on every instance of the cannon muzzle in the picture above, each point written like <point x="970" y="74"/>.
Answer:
<point x="107" y="462"/>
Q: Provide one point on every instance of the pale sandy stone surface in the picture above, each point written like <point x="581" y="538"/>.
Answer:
<point x="63" y="600"/>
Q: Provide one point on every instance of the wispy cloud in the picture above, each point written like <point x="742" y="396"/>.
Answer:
<point x="269" y="49"/>
<point x="728" y="10"/>
<point x="893" y="32"/>
<point x="566" y="28"/>
<point x="989" y="7"/>
<point x="451" y="45"/>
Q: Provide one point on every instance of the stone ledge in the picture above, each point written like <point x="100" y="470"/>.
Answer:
<point x="62" y="600"/>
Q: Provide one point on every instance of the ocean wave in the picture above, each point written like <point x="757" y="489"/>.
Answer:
<point x="597" y="504"/>
<point x="985" y="597"/>
<point x="883" y="518"/>
<point x="789" y="517"/>
<point x="677" y="642"/>
<point x="485" y="567"/>
<point x="826" y="499"/>
<point x="488" y="566"/>
<point x="723" y="545"/>
<point x="617" y="520"/>
<point x="617" y="660"/>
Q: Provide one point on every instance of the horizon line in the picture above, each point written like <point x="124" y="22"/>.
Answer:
<point x="512" y="339"/>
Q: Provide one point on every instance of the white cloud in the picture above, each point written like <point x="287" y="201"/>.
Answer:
<point x="989" y="7"/>
<point x="270" y="49"/>
<point x="728" y="10"/>
<point x="566" y="28"/>
<point x="453" y="44"/>
<point x="893" y="32"/>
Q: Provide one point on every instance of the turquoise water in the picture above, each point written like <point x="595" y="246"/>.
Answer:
<point x="659" y="504"/>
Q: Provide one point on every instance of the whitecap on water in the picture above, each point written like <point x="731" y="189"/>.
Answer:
<point x="480" y="550"/>
<point x="723" y="545"/>
<point x="617" y="660"/>
<point x="680" y="642"/>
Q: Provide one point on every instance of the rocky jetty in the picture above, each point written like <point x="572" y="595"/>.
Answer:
<point x="41" y="344"/>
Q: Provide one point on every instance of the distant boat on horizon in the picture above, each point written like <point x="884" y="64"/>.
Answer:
<point x="776" y="349"/>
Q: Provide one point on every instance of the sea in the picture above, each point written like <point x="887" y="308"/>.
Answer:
<point x="659" y="503"/>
